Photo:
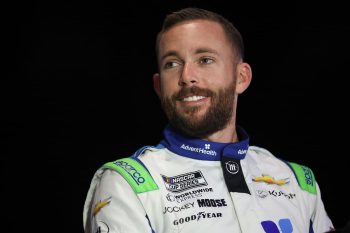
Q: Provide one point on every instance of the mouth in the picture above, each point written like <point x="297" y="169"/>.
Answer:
<point x="193" y="98"/>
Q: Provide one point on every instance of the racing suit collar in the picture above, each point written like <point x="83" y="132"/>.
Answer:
<point x="205" y="150"/>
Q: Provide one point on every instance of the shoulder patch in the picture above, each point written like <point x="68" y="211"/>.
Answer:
<point x="305" y="177"/>
<point x="134" y="173"/>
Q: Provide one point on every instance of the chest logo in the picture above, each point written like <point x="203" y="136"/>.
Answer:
<point x="270" y="180"/>
<point x="271" y="227"/>
<point x="184" y="182"/>
<point x="232" y="167"/>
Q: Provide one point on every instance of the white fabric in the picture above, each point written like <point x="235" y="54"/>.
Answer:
<point x="229" y="212"/>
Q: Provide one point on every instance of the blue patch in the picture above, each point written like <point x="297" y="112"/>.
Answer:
<point x="284" y="224"/>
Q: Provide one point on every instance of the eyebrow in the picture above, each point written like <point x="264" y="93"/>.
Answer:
<point x="206" y="50"/>
<point x="198" y="51"/>
<point x="169" y="54"/>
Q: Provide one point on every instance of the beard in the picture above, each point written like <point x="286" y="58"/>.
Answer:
<point x="214" y="119"/>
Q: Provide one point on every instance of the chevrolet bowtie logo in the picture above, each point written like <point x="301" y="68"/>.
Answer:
<point x="270" y="180"/>
<point x="101" y="204"/>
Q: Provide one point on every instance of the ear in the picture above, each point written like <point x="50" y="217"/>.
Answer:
<point x="156" y="83"/>
<point x="244" y="77"/>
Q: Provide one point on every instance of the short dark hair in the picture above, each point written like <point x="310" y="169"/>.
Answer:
<point x="187" y="14"/>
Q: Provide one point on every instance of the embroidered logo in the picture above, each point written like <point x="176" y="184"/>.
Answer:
<point x="232" y="167"/>
<point x="270" y="180"/>
<point x="101" y="204"/>
<point x="184" y="182"/>
<point x="206" y="150"/>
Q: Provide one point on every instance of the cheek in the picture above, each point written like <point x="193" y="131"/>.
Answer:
<point x="219" y="78"/>
<point x="168" y="89"/>
<point x="169" y="85"/>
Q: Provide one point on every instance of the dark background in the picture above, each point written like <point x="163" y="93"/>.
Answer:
<point x="77" y="92"/>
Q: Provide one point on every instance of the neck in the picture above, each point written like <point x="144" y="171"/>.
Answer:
<point x="226" y="135"/>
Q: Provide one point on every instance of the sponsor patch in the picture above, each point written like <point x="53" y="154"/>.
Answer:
<point x="270" y="180"/>
<point x="187" y="195"/>
<point x="284" y="225"/>
<point x="211" y="202"/>
<point x="134" y="173"/>
<point x="274" y="193"/>
<point x="172" y="209"/>
<point x="206" y="150"/>
<point x="198" y="216"/>
<point x="184" y="182"/>
<point x="233" y="175"/>
<point x="232" y="167"/>
<point x="305" y="177"/>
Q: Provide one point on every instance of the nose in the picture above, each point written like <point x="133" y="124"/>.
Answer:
<point x="188" y="75"/>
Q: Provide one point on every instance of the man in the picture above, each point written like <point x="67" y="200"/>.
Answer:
<point x="204" y="176"/>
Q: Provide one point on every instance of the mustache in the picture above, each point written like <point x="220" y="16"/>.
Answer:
<point x="190" y="91"/>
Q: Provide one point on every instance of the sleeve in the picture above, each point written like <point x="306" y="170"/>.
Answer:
<point x="320" y="221"/>
<point x="112" y="206"/>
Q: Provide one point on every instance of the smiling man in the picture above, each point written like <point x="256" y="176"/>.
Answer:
<point x="204" y="176"/>
<point x="197" y="79"/>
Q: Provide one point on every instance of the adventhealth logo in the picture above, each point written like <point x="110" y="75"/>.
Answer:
<point x="241" y="151"/>
<point x="206" y="150"/>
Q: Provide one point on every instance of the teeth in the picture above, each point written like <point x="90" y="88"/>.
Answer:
<point x="193" y="98"/>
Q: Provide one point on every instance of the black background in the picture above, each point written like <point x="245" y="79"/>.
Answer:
<point x="77" y="92"/>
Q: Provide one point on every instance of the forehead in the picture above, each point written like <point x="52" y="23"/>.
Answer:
<point x="191" y="35"/>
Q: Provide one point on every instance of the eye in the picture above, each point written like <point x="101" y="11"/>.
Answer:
<point x="206" y="60"/>
<point x="170" y="64"/>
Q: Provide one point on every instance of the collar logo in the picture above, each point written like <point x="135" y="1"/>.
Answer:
<point x="242" y="152"/>
<point x="206" y="150"/>
<point x="232" y="167"/>
<point x="270" y="180"/>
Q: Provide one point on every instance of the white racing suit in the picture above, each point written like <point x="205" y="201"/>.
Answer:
<point x="189" y="185"/>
